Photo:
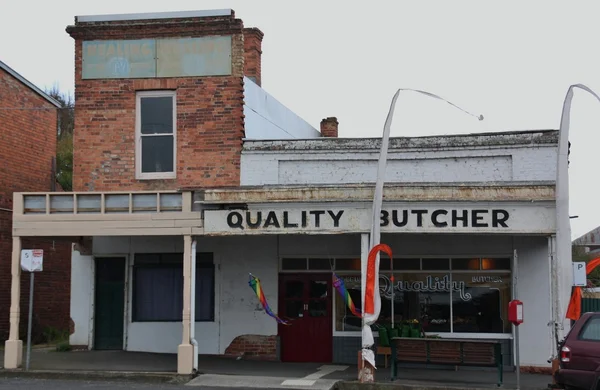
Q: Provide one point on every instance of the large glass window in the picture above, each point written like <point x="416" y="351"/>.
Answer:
<point x="465" y="295"/>
<point x="158" y="287"/>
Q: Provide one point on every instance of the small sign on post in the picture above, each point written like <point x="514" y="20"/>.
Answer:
<point x="515" y="316"/>
<point x="579" y="274"/>
<point x="32" y="260"/>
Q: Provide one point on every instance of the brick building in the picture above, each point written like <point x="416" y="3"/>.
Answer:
<point x="28" y="123"/>
<point x="189" y="177"/>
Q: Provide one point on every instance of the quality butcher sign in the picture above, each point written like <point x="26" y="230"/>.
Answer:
<point x="324" y="220"/>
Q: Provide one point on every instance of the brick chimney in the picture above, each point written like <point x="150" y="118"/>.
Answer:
<point x="252" y="53"/>
<point x="329" y="127"/>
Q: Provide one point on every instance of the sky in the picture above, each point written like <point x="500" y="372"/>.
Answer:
<point x="511" y="61"/>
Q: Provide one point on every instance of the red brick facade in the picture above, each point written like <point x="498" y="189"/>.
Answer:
<point x="254" y="347"/>
<point x="253" y="54"/>
<point x="210" y="120"/>
<point x="27" y="145"/>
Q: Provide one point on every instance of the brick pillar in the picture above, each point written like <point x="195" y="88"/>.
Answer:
<point x="252" y="53"/>
<point x="329" y="127"/>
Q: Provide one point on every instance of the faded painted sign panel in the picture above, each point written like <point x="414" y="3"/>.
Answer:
<point x="150" y="58"/>
<point x="411" y="218"/>
<point x="119" y="59"/>
<point x="205" y="56"/>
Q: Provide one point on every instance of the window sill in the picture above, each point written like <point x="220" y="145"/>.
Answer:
<point x="156" y="176"/>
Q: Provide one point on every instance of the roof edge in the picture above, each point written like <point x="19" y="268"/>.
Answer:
<point x="28" y="83"/>
<point x="153" y="15"/>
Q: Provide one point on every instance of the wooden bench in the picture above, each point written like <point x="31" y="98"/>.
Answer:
<point x="454" y="352"/>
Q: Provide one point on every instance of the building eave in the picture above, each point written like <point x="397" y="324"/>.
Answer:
<point x="470" y="141"/>
<point x="402" y="192"/>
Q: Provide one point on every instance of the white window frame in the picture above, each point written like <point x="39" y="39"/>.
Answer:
<point x="139" y="175"/>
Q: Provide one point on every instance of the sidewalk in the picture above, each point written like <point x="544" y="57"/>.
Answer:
<point x="231" y="373"/>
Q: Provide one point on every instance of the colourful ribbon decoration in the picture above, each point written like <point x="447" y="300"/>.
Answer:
<point x="371" y="288"/>
<point x="254" y="284"/>
<point x="341" y="288"/>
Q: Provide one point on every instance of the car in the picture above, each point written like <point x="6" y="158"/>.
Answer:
<point x="579" y="366"/>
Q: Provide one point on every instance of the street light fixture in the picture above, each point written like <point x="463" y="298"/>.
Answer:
<point x="366" y="373"/>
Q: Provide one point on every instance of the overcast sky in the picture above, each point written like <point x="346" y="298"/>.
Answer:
<point x="511" y="61"/>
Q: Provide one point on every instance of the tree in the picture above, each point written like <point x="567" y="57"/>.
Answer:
<point x="64" y="144"/>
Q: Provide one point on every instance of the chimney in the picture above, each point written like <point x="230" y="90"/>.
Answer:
<point x="252" y="53"/>
<point x="329" y="127"/>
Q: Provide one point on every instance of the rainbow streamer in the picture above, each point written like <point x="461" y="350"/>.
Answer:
<point x="254" y="284"/>
<point x="341" y="288"/>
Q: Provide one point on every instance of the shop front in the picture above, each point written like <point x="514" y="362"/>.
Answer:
<point x="175" y="280"/>
<point x="452" y="273"/>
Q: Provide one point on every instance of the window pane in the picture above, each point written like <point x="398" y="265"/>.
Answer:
<point x="591" y="330"/>
<point x="205" y="293"/>
<point x="347" y="264"/>
<point x="318" y="288"/>
<point x="480" y="303"/>
<point x="495" y="264"/>
<point x="344" y="319"/>
<point x="294" y="289"/>
<point x="424" y="297"/>
<point x="320" y="264"/>
<point x="385" y="264"/>
<point x="158" y="294"/>
<point x="436" y="264"/>
<point x="293" y="264"/>
<point x="407" y="264"/>
<point x="157" y="115"/>
<point x="472" y="264"/>
<point x="157" y="154"/>
<point x="158" y="287"/>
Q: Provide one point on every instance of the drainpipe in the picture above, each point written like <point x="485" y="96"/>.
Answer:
<point x="193" y="309"/>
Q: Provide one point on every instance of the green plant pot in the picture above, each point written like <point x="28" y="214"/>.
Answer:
<point x="384" y="340"/>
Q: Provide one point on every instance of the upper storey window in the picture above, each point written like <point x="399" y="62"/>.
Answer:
<point x="156" y="131"/>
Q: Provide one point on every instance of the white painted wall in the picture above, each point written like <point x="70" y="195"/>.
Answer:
<point x="533" y="289"/>
<point x="82" y="298"/>
<point x="341" y="164"/>
<point x="237" y="310"/>
<point x="266" y="118"/>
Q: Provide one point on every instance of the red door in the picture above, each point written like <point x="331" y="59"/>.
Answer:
<point x="306" y="300"/>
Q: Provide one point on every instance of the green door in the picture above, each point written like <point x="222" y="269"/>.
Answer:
<point x="110" y="302"/>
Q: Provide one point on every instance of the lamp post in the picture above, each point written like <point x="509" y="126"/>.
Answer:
<point x="560" y="279"/>
<point x="367" y="373"/>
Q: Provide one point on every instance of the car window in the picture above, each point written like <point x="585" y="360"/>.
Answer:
<point x="591" y="330"/>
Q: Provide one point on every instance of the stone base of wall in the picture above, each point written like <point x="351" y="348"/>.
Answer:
<point x="250" y="346"/>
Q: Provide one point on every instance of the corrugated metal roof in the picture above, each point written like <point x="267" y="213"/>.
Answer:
<point x="23" y="80"/>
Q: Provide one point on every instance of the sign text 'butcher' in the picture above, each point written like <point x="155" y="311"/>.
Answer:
<point x="410" y="218"/>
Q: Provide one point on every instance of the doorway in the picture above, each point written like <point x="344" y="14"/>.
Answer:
<point x="110" y="303"/>
<point x="306" y="300"/>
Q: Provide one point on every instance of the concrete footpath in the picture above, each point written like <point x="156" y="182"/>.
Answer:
<point x="221" y="372"/>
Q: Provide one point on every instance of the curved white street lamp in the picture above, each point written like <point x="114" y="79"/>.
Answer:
<point x="563" y="225"/>
<point x="366" y="374"/>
